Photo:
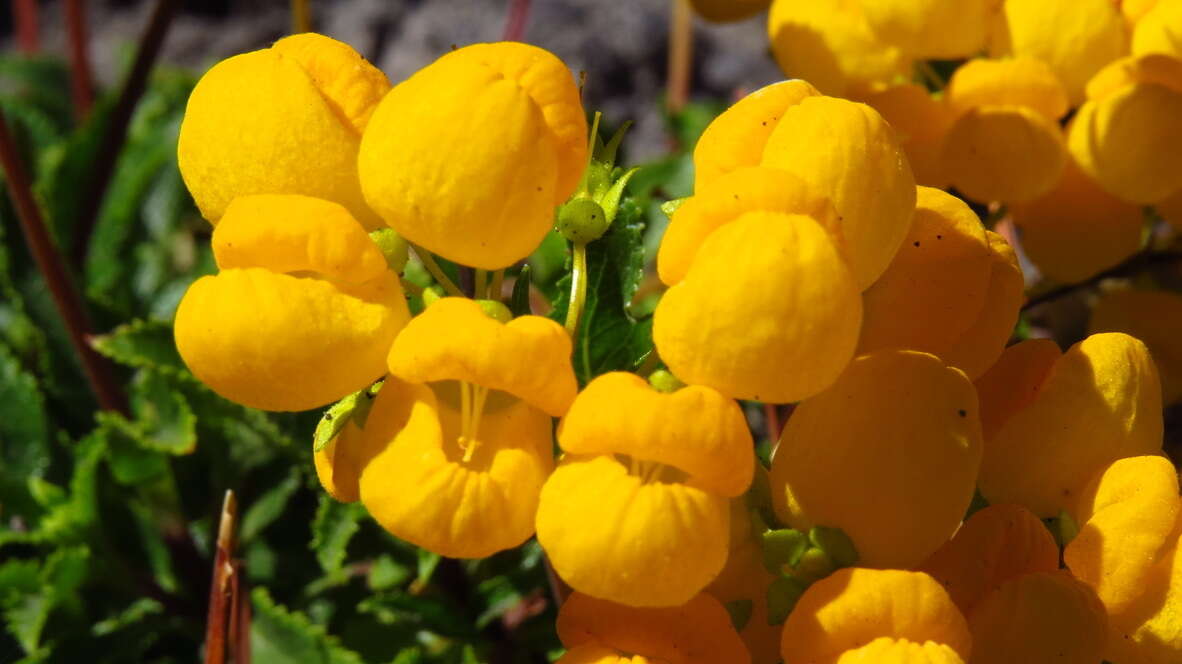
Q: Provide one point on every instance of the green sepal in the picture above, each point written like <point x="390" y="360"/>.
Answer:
<point x="669" y="207"/>
<point x="582" y="220"/>
<point x="1064" y="528"/>
<point x="393" y="246"/>
<point x="664" y="381"/>
<point x="814" y="565"/>
<point x="740" y="612"/>
<point x="495" y="310"/>
<point x="519" y="299"/>
<point x="836" y="544"/>
<point x="354" y="407"/>
<point x="782" y="595"/>
<point x="610" y="202"/>
<point x="782" y="547"/>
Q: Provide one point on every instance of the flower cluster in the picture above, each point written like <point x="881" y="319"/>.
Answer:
<point x="1063" y="112"/>
<point x="808" y="268"/>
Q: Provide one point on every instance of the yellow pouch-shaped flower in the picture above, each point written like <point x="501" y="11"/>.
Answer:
<point x="1037" y="618"/>
<point x="1076" y="38"/>
<point x="979" y="347"/>
<point x="930" y="29"/>
<point x="283" y="120"/>
<point x="854" y="607"/>
<point x="1099" y="402"/>
<point x="1134" y="10"/>
<point x="1170" y="209"/>
<point x="725" y="11"/>
<point x="470" y="156"/>
<point x="597" y="654"/>
<point x="935" y="287"/>
<point x="646" y="478"/>
<point x="768" y="311"/>
<point x="302" y="312"/>
<point x="846" y="151"/>
<point x="461" y="445"/>
<point x="922" y="123"/>
<point x="696" y="632"/>
<point x="885" y="650"/>
<point x="438" y="480"/>
<point x="338" y="465"/>
<point x="1077" y="229"/>
<point x="1013" y="382"/>
<point x="1127" y="515"/>
<point x="1154" y="317"/>
<point x="1160" y="30"/>
<point x="1127" y="135"/>
<point x="829" y="44"/>
<point x="996" y="544"/>
<point x="727" y="198"/>
<point x="1005" y="144"/>
<point x="1148" y="630"/>
<point x="889" y="454"/>
<point x="735" y="139"/>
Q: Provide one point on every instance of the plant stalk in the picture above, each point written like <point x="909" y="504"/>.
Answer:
<point x="65" y="296"/>
<point x="578" y="289"/>
<point x="81" y="80"/>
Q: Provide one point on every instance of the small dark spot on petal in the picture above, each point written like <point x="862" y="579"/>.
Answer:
<point x="916" y="243"/>
<point x="328" y="417"/>
<point x="962" y="412"/>
<point x="939" y="237"/>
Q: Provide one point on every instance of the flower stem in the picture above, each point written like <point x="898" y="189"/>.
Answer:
<point x="930" y="74"/>
<point x="516" y="20"/>
<point x="498" y="281"/>
<point x="81" y="81"/>
<point x="25" y="16"/>
<point x="481" y="289"/>
<point x="66" y="298"/>
<point x="301" y="17"/>
<point x="578" y="289"/>
<point x="437" y="272"/>
<point x="681" y="54"/>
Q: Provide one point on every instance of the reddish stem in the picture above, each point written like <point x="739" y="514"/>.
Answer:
<point x="772" y="414"/>
<point x="516" y="21"/>
<point x="81" y="81"/>
<point x="221" y="590"/>
<point x="49" y="261"/>
<point x="112" y="140"/>
<point x="24" y="16"/>
<point x="681" y="53"/>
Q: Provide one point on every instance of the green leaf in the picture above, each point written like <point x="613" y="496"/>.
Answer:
<point x="430" y="613"/>
<point x="24" y="433"/>
<point x="143" y="343"/>
<point x="26" y="616"/>
<point x="132" y="462"/>
<point x="519" y="300"/>
<point x="66" y="172"/>
<point x="281" y="636"/>
<point x="163" y="415"/>
<point x="386" y="573"/>
<point x="334" y="525"/>
<point x="740" y="612"/>
<point x="609" y="337"/>
<point x="134" y="613"/>
<point x="268" y="507"/>
<point x="836" y="544"/>
<point x="782" y="596"/>
<point x="427" y="562"/>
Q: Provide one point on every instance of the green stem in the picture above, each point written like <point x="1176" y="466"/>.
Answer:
<point x="437" y="272"/>
<point x="929" y="73"/>
<point x="498" y="282"/>
<point x="481" y="289"/>
<point x="578" y="289"/>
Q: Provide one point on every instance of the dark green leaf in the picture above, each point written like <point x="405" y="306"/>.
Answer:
<point x="334" y="525"/>
<point x="143" y="343"/>
<point x="280" y="636"/>
<point x="519" y="301"/>
<point x="268" y="507"/>
<point x="163" y="414"/>
<point x="24" y="432"/>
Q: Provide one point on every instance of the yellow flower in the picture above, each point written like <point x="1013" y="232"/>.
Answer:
<point x="458" y="442"/>
<point x="1127" y="549"/>
<point x="922" y="123"/>
<point x="1154" y="317"/>
<point x="470" y="156"/>
<point x="1127" y="134"/>
<point x="1077" y="229"/>
<point x="728" y="198"/>
<point x="1098" y="402"/>
<point x="338" y="465"/>
<point x="1037" y="618"/>
<point x="885" y="650"/>
<point x="1134" y="10"/>
<point x="854" y="608"/>
<point x="996" y="544"/>
<point x="830" y="44"/>
<point x="1170" y="209"/>
<point x="283" y="120"/>
<point x="933" y="296"/>
<point x="646" y="478"/>
<point x="888" y="454"/>
<point x="696" y="632"/>
<point x="1159" y="30"/>
<point x="1074" y="37"/>
<point x="1005" y="144"/>
<point x="302" y="311"/>
<point x="846" y="151"/>
<point x="736" y="138"/>
<point x="725" y="11"/>
<point x="768" y="311"/>
<point x="933" y="29"/>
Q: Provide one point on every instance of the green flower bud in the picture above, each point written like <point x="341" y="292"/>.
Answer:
<point x="582" y="220"/>
<point x="393" y="247"/>
<point x="495" y="310"/>
<point x="664" y="381"/>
